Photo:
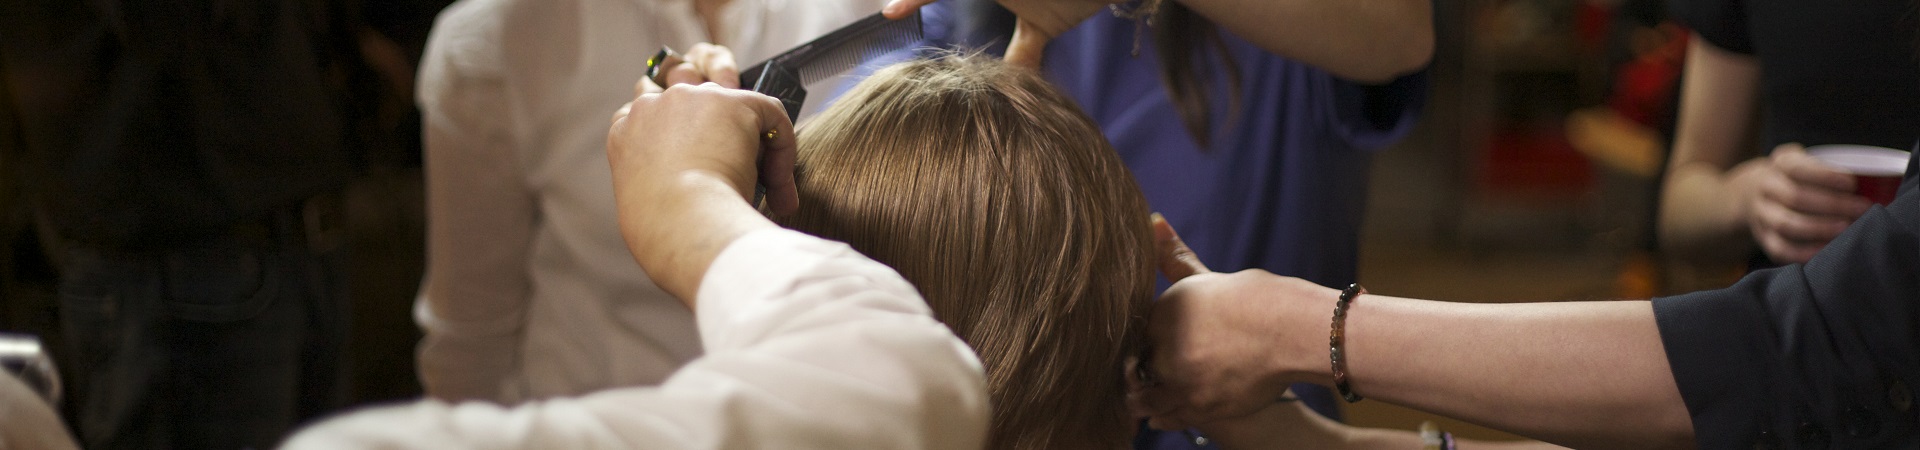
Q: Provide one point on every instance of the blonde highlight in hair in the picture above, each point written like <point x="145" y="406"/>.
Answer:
<point x="1002" y="202"/>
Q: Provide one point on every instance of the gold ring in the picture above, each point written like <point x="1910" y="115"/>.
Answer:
<point x="772" y="133"/>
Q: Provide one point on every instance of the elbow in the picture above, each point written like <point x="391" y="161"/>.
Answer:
<point x="1403" y="54"/>
<point x="1416" y="54"/>
<point x="1411" y="49"/>
<point x="1675" y="435"/>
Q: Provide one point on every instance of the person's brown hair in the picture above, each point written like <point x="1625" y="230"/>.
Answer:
<point x="1183" y="39"/>
<point x="1001" y="201"/>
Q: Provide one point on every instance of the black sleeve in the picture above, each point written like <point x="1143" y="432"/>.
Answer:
<point x="1722" y="22"/>
<point x="1820" y="355"/>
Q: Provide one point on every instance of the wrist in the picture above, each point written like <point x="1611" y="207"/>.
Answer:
<point x="1742" y="186"/>
<point x="676" y="225"/>
<point x="1306" y="329"/>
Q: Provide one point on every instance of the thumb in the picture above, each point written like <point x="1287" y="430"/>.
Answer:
<point x="1028" y="44"/>
<point x="1176" y="261"/>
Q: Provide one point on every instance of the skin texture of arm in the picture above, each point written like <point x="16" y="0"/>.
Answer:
<point x="1362" y="40"/>
<point x="1714" y="203"/>
<point x="1372" y="41"/>
<point x="1581" y="374"/>
<point x="1700" y="208"/>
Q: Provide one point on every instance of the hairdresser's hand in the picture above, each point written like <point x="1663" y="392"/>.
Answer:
<point x="1226" y="345"/>
<point x="1039" y="22"/>
<point x="683" y="168"/>
<point x="1794" y="204"/>
<point x="1223" y="345"/>
<point x="703" y="63"/>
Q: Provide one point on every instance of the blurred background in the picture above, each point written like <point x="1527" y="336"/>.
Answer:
<point x="1531" y="175"/>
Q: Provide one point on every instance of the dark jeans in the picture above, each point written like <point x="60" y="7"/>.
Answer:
<point x="227" y="345"/>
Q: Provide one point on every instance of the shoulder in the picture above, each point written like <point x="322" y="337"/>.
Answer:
<point x="466" y="37"/>
<point x="464" y="47"/>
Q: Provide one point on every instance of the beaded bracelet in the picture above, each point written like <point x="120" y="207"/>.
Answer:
<point x="1337" y="339"/>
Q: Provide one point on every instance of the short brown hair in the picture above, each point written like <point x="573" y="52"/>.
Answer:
<point x="1002" y="202"/>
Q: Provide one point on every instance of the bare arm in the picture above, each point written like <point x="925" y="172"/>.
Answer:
<point x="1700" y="209"/>
<point x="1361" y="40"/>
<point x="1587" y="374"/>
<point x="1787" y="202"/>
<point x="1584" y="374"/>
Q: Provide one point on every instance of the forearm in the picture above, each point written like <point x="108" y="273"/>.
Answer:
<point x="1371" y="41"/>
<point x="682" y="226"/>
<point x="1700" y="211"/>
<point x="1700" y="205"/>
<point x="1583" y="374"/>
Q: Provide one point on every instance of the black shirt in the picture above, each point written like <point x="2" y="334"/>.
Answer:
<point x="1821" y="355"/>
<point x="1831" y="71"/>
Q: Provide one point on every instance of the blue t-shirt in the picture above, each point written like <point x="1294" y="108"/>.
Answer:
<point x="1283" y="185"/>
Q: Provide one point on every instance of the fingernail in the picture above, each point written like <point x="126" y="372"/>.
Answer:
<point x="1156" y="217"/>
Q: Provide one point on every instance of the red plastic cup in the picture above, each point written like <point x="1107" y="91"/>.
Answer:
<point x="1876" y="170"/>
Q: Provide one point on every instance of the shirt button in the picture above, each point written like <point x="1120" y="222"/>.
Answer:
<point x="1812" y="436"/>
<point x="1900" y="396"/>
<point x="1859" y="422"/>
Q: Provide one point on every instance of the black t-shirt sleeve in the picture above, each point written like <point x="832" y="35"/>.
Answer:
<point x="1722" y="22"/>
<point x="1823" y="352"/>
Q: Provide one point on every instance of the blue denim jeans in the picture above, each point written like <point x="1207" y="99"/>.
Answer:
<point x="223" y="346"/>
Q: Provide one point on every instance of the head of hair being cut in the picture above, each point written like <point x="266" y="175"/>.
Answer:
<point x="1002" y="202"/>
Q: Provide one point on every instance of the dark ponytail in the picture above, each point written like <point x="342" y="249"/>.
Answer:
<point x="1183" y="39"/>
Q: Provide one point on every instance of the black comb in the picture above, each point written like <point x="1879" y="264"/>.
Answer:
<point x="785" y="76"/>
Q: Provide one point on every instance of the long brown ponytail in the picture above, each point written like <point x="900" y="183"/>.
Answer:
<point x="1183" y="38"/>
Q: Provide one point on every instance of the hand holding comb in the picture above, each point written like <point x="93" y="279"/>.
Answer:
<point x="786" y="76"/>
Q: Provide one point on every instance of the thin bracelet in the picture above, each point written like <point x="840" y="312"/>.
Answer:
<point x="1431" y="438"/>
<point x="1337" y="340"/>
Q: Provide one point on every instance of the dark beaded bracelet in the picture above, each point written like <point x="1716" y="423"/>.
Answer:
<point x="1337" y="339"/>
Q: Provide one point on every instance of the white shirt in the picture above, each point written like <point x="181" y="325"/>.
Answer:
<point x="530" y="291"/>
<point x="808" y="345"/>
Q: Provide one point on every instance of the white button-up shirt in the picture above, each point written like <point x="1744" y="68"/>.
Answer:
<point x="530" y="292"/>
<point x="808" y="345"/>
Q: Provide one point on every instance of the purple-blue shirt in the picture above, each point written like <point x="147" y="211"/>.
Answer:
<point x="1282" y="186"/>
